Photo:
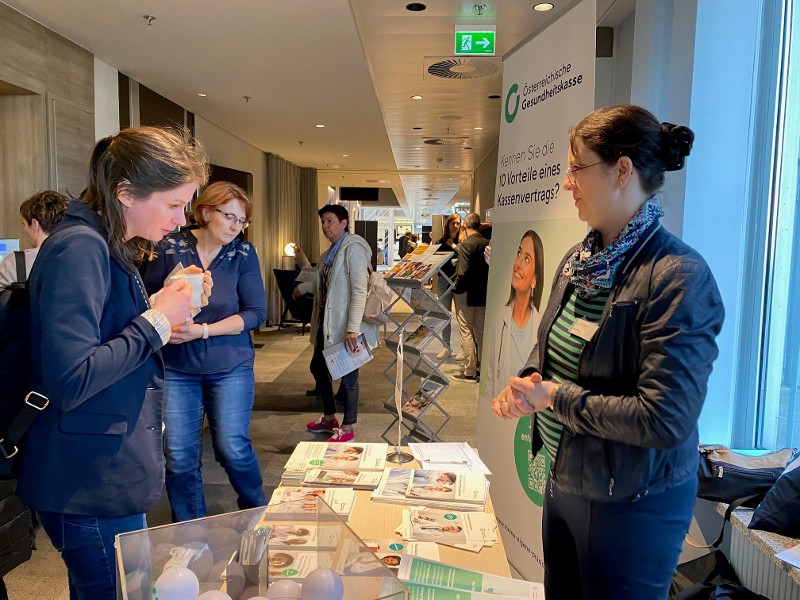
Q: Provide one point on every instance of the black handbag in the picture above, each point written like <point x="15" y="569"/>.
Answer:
<point x="724" y="475"/>
<point x="709" y="577"/>
<point x="779" y="511"/>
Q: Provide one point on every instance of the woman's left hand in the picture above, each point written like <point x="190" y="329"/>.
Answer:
<point x="510" y="404"/>
<point x="186" y="332"/>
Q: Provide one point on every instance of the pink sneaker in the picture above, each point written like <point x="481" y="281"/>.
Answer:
<point x="323" y="426"/>
<point x="340" y="435"/>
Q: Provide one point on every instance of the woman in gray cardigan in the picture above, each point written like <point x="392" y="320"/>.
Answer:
<point x="340" y="293"/>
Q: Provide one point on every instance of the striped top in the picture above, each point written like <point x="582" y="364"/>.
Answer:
<point x="562" y="356"/>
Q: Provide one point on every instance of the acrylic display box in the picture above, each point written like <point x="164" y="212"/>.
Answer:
<point x="239" y="555"/>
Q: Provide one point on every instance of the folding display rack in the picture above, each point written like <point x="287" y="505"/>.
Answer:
<point x="421" y="372"/>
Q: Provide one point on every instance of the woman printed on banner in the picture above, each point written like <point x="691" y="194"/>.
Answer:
<point x="517" y="323"/>
<point x="626" y="347"/>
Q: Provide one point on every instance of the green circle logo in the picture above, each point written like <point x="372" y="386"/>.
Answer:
<point x="450" y="517"/>
<point x="532" y="473"/>
<point x="289" y="572"/>
<point x="396" y="547"/>
<point x="316" y="462"/>
<point x="512" y="91"/>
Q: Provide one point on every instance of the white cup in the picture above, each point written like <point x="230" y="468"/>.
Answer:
<point x="196" y="281"/>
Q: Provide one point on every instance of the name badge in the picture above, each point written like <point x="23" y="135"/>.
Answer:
<point x="584" y="329"/>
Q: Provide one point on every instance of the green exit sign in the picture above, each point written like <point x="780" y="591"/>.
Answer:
<point x="475" y="42"/>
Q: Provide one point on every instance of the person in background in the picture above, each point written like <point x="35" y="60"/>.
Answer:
<point x="402" y="244"/>
<point x="516" y="323"/>
<point x="626" y="347"/>
<point x="412" y="243"/>
<point x="472" y="279"/>
<point x="40" y="214"/>
<point x="340" y="293"/>
<point x="448" y="243"/>
<point x="93" y="462"/>
<point x="209" y="361"/>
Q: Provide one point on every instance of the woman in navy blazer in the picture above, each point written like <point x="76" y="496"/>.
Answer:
<point x="93" y="462"/>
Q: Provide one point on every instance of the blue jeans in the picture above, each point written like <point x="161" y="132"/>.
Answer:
<point x="446" y="300"/>
<point x="227" y="399"/>
<point x="595" y="550"/>
<point x="86" y="545"/>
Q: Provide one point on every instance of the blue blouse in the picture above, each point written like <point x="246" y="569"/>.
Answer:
<point x="238" y="290"/>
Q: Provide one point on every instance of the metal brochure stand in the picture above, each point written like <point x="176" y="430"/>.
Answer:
<point x="423" y="380"/>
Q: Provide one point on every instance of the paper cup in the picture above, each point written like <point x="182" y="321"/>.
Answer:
<point x="196" y="281"/>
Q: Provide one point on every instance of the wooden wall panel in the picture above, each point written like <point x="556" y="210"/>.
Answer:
<point x="71" y="132"/>
<point x="22" y="157"/>
<point x="23" y="50"/>
<point x="70" y="71"/>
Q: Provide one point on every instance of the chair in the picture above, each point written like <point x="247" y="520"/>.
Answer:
<point x="300" y="308"/>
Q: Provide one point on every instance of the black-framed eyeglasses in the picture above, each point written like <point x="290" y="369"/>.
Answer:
<point x="231" y="219"/>
<point x="573" y="170"/>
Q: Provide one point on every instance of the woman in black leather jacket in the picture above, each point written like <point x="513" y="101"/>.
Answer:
<point x="626" y="346"/>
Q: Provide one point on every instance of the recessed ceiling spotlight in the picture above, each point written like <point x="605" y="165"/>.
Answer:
<point x="467" y="147"/>
<point x="319" y="125"/>
<point x="543" y="6"/>
<point x="417" y="128"/>
<point x="416" y="97"/>
<point x="416" y="7"/>
<point x="345" y="155"/>
<point x="417" y="148"/>
<point x="201" y="94"/>
<point x="494" y="97"/>
<point x="478" y="128"/>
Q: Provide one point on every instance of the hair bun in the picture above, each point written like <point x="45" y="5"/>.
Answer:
<point x="676" y="144"/>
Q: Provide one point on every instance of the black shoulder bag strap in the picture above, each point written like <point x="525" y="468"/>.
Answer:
<point x="728" y="511"/>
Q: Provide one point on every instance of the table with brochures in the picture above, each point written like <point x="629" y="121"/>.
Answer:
<point x="374" y="520"/>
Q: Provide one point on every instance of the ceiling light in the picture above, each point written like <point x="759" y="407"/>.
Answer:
<point x="543" y="6"/>
<point x="478" y="128"/>
<point x="416" y="97"/>
<point x="417" y="128"/>
<point x="201" y="94"/>
<point x="319" y="125"/>
<point x="494" y="97"/>
<point x="417" y="148"/>
<point x="345" y="155"/>
<point x="467" y="147"/>
<point x="416" y="7"/>
<point x="149" y="19"/>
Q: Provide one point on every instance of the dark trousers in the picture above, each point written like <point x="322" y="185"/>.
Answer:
<point x="597" y="550"/>
<point x="324" y="384"/>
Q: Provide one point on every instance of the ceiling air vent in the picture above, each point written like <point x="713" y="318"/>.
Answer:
<point x="462" y="68"/>
<point x="445" y="141"/>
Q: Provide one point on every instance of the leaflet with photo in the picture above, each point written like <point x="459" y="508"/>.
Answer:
<point x="292" y="564"/>
<point x="450" y="527"/>
<point x="420" y="264"/>
<point x="426" y="394"/>
<point x="302" y="535"/>
<point x="338" y="456"/>
<point x="360" y="480"/>
<point x="358" y="559"/>
<point x="299" y="503"/>
<point x="448" y="486"/>
<point x="395" y="483"/>
<point x="427" y="572"/>
<point x="340" y="360"/>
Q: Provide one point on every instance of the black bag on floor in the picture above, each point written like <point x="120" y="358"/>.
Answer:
<point x="709" y="577"/>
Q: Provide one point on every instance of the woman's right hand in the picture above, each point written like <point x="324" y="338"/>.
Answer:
<point x="511" y="402"/>
<point x="175" y="302"/>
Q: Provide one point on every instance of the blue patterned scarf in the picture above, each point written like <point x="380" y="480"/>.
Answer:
<point x="592" y="270"/>
<point x="327" y="263"/>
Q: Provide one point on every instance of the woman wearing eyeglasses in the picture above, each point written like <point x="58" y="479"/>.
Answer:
<point x="209" y="360"/>
<point x="625" y="350"/>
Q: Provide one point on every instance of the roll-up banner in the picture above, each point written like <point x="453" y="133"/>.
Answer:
<point x="548" y="86"/>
